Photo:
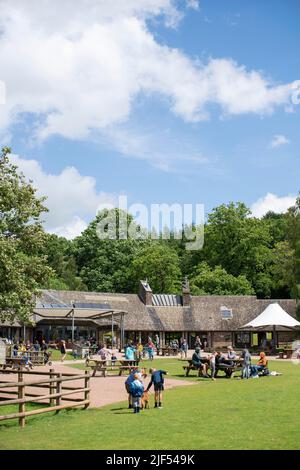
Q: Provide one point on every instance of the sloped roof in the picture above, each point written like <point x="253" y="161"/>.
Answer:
<point x="203" y="314"/>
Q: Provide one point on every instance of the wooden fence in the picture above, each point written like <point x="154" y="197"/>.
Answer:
<point x="57" y="392"/>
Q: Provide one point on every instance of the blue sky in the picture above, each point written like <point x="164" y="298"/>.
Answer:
<point x="164" y="137"/>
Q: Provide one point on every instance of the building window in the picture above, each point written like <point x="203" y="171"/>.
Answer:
<point x="226" y="313"/>
<point x="242" y="339"/>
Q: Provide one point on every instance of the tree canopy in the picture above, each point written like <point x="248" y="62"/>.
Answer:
<point x="22" y="267"/>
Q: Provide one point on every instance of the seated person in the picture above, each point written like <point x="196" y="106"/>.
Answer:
<point x="231" y="356"/>
<point x="197" y="361"/>
<point x="261" y="365"/>
<point x="222" y="363"/>
<point x="103" y="353"/>
<point x="113" y="358"/>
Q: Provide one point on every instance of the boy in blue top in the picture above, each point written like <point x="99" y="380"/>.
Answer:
<point x="136" y="390"/>
<point x="157" y="379"/>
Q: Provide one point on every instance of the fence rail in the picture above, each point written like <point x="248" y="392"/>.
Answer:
<point x="57" y="393"/>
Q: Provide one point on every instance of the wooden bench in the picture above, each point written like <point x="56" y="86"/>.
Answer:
<point x="229" y="370"/>
<point x="192" y="367"/>
<point x="128" y="368"/>
<point x="14" y="362"/>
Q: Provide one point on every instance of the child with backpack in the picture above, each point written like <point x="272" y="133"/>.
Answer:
<point x="136" y="391"/>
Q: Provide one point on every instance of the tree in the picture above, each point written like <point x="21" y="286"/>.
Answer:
<point x="105" y="264"/>
<point x="240" y="244"/>
<point x="158" y="263"/>
<point x="216" y="281"/>
<point x="60" y="257"/>
<point x="22" y="237"/>
<point x="293" y="236"/>
<point x="282" y="270"/>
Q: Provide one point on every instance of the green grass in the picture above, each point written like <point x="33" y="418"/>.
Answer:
<point x="225" y="414"/>
<point x="56" y="355"/>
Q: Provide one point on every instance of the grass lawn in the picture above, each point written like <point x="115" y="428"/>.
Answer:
<point x="225" y="414"/>
<point x="56" y="355"/>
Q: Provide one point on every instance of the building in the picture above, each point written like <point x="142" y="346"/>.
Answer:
<point x="79" y="315"/>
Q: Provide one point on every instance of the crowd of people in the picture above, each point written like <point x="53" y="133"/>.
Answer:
<point x="218" y="360"/>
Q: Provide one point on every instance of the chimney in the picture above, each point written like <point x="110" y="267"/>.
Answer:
<point x="186" y="295"/>
<point x="145" y="292"/>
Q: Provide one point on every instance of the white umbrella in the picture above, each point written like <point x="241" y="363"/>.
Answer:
<point x="273" y="316"/>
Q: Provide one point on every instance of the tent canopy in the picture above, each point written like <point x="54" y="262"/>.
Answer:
<point x="273" y="315"/>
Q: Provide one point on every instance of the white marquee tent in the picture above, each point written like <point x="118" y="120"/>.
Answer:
<point x="273" y="316"/>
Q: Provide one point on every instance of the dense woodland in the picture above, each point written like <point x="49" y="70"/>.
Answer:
<point x="242" y="255"/>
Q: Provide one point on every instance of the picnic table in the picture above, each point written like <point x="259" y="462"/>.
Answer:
<point x="104" y="365"/>
<point x="288" y="353"/>
<point x="191" y="366"/>
<point x="168" y="351"/>
<point x="230" y="366"/>
<point x="229" y="369"/>
<point x="14" y="362"/>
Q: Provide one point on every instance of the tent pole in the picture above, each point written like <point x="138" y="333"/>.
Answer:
<point x="274" y="339"/>
<point x="112" y="331"/>
<point x="73" y="325"/>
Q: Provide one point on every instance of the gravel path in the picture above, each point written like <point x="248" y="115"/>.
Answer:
<point x="104" y="390"/>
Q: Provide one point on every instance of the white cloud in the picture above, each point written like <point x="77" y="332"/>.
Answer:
<point x="80" y="69"/>
<point x="72" y="199"/>
<point x="272" y="202"/>
<point x="193" y="4"/>
<point x="278" y="140"/>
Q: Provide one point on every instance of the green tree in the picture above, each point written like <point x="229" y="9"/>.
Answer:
<point x="22" y="237"/>
<point x="216" y="281"/>
<point x="277" y="224"/>
<point x="282" y="270"/>
<point x="59" y="252"/>
<point x="158" y="263"/>
<point x="105" y="264"/>
<point x="293" y="236"/>
<point x="240" y="244"/>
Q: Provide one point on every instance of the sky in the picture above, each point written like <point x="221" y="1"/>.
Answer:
<point x="164" y="101"/>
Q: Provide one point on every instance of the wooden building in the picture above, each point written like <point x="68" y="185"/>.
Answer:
<point x="216" y="319"/>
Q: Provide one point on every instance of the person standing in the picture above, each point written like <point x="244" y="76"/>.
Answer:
<point x="212" y="365"/>
<point x="198" y="343"/>
<point x="157" y="343"/>
<point x="246" y="364"/>
<point x="130" y="354"/>
<point x="150" y="350"/>
<point x="63" y="350"/>
<point x="184" y="349"/>
<point x="157" y="380"/>
<point x="136" y="391"/>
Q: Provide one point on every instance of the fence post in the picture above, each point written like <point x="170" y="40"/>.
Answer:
<point x="87" y="385"/>
<point x="58" y="390"/>
<point x="51" y="386"/>
<point x="21" y="394"/>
